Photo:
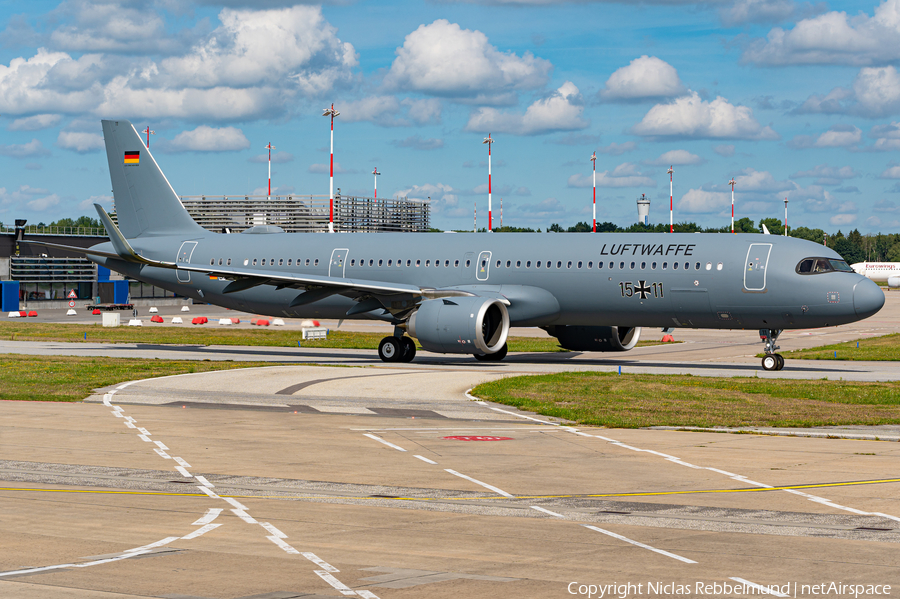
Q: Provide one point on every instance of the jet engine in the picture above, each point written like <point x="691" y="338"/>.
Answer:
<point x="577" y="338"/>
<point x="460" y="325"/>
<point x="893" y="282"/>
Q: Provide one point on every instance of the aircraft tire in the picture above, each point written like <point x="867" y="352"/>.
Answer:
<point x="780" y="361"/>
<point x="408" y="349"/>
<point x="494" y="357"/>
<point x="770" y="362"/>
<point x="390" y="350"/>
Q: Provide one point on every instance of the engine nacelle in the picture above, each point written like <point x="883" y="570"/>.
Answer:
<point x="460" y="325"/>
<point x="577" y="338"/>
<point x="893" y="282"/>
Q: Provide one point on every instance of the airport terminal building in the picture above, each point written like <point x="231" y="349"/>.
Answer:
<point x="45" y="277"/>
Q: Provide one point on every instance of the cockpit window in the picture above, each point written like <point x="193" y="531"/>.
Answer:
<point x="812" y="266"/>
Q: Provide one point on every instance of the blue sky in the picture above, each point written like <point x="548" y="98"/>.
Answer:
<point x="797" y="100"/>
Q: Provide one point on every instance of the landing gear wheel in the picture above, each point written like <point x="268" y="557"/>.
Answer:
<point x="408" y="349"/>
<point x="770" y="362"/>
<point x="780" y="362"/>
<point x="389" y="349"/>
<point x="494" y="357"/>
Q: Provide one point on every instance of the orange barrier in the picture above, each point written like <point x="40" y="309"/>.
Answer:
<point x="262" y="322"/>
<point x="32" y="313"/>
<point x="235" y="321"/>
<point x="23" y="313"/>
<point x="156" y="318"/>
<point x="199" y="320"/>
<point x="668" y="339"/>
<point x="96" y="312"/>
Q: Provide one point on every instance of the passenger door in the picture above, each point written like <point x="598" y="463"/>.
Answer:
<point x="338" y="263"/>
<point x="483" y="266"/>
<point x="755" y="266"/>
<point x="184" y="257"/>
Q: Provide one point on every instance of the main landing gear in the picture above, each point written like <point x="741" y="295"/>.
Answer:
<point x="397" y="349"/>
<point x="771" y="361"/>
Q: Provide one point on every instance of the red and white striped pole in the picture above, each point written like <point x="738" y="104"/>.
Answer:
<point x="671" y="218"/>
<point x="732" y="203"/>
<point x="488" y="140"/>
<point x="376" y="173"/>
<point x="149" y="133"/>
<point x="594" y="162"/>
<point x="270" y="147"/>
<point x="332" y="113"/>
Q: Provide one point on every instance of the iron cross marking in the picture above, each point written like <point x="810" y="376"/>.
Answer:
<point x="643" y="289"/>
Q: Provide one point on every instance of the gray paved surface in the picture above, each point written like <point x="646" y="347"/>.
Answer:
<point x="300" y="481"/>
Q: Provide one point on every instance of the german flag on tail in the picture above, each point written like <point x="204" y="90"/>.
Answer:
<point x="132" y="158"/>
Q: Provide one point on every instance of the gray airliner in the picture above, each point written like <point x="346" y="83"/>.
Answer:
<point x="460" y="293"/>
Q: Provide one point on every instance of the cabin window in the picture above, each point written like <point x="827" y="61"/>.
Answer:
<point x="446" y="264"/>
<point x="371" y="262"/>
<point x="418" y="263"/>
<point x="289" y="261"/>
<point x="437" y="263"/>
<point x="212" y="261"/>
<point x="409" y="262"/>
<point x="665" y="265"/>
<point x="380" y="262"/>
<point x="537" y="264"/>
<point x="353" y="262"/>
<point x="675" y="265"/>
<point x="643" y="265"/>
<point x="653" y="266"/>
<point x="245" y="261"/>
<point x="263" y="263"/>
<point x="719" y="266"/>
<point x="559" y="264"/>
<point x="569" y="264"/>
<point x="709" y="266"/>
<point x="220" y="262"/>
<point x="456" y="264"/>
<point x="518" y="264"/>
<point x="307" y="262"/>
<point x="468" y="263"/>
<point x="528" y="264"/>
<point x="697" y="266"/>
<point x="281" y="262"/>
<point x="508" y="263"/>
<point x="687" y="265"/>
<point x="254" y="262"/>
<point x="316" y="262"/>
<point x="428" y="263"/>
<point x="272" y="262"/>
<point x="599" y="265"/>
<point x="498" y="264"/>
<point x="621" y="265"/>
<point x="579" y="264"/>
<point x="632" y="266"/>
<point x="228" y="262"/>
<point x="611" y="264"/>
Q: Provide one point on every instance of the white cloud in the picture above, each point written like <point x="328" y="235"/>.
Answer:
<point x="35" y="123"/>
<point x="208" y="139"/>
<point x="887" y="137"/>
<point x="702" y="201"/>
<point x="691" y="117"/>
<point x="80" y="142"/>
<point x="377" y="109"/>
<point x="626" y="174"/>
<point x="757" y="11"/>
<point x="444" y="200"/>
<point x="254" y="64"/>
<point x="88" y="204"/>
<point x="110" y="27"/>
<point x="676" y="158"/>
<point x="827" y="175"/>
<point x="833" y="38"/>
<point x="27" y="150"/>
<point x="423" y="111"/>
<point x="644" y="78"/>
<point x="615" y="149"/>
<point x="442" y="59"/>
<point x="839" y="136"/>
<point x="842" y="219"/>
<point x="41" y="204"/>
<point x="892" y="172"/>
<point x="877" y="91"/>
<point x="278" y="157"/>
<point x="561" y="111"/>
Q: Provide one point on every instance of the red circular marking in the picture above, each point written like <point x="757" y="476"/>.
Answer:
<point x="477" y="438"/>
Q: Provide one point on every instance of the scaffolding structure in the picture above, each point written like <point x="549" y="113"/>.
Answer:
<point x="308" y="213"/>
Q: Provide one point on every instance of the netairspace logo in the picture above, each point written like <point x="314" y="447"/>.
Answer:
<point x="718" y="589"/>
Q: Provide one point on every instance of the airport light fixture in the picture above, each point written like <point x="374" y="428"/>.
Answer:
<point x="332" y="113"/>
<point x="732" y="203"/>
<point x="671" y="212"/>
<point x="489" y="140"/>
<point x="149" y="133"/>
<point x="270" y="147"/>
<point x="594" y="162"/>
<point x="376" y="173"/>
<point x="785" y="216"/>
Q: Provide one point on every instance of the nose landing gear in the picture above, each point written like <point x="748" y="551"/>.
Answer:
<point x="771" y="361"/>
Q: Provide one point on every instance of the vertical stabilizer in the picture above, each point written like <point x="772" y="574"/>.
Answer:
<point x="145" y="202"/>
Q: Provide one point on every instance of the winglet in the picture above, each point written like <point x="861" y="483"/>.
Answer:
<point x="765" y="230"/>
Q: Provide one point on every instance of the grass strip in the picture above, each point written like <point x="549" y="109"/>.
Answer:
<point x="637" y="400"/>
<point x="876" y="349"/>
<point x="72" y="378"/>
<point x="213" y="335"/>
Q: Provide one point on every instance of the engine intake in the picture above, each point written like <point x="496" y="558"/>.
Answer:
<point x="578" y="338"/>
<point x="460" y="325"/>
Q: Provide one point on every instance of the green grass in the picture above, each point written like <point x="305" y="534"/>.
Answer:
<point x="212" y="334"/>
<point x="72" y="378"/>
<point x="632" y="401"/>
<point x="885" y="348"/>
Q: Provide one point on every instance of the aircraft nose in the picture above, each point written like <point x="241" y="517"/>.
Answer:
<point x="868" y="298"/>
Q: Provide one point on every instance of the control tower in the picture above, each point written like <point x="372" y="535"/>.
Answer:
<point x="643" y="206"/>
